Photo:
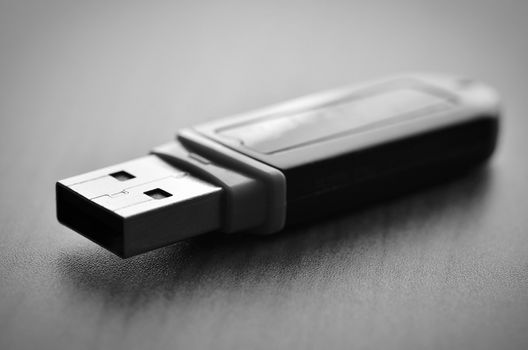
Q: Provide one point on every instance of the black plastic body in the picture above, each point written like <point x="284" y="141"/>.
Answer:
<point x="359" y="178"/>
<point x="453" y="128"/>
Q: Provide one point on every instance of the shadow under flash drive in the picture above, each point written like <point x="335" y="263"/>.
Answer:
<point x="289" y="163"/>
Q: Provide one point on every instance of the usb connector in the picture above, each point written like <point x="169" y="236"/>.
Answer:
<point x="138" y="205"/>
<point x="175" y="193"/>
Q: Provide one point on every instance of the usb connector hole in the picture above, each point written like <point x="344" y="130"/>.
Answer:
<point x="122" y="175"/>
<point x="158" y="193"/>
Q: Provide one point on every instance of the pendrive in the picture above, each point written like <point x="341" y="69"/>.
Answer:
<point x="258" y="172"/>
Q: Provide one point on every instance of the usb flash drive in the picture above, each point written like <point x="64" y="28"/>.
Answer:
<point x="313" y="156"/>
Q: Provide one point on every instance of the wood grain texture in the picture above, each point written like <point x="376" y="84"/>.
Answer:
<point x="87" y="84"/>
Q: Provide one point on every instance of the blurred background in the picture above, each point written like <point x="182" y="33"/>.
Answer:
<point x="85" y="84"/>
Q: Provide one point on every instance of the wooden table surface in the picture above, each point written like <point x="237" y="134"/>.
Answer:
<point x="84" y="84"/>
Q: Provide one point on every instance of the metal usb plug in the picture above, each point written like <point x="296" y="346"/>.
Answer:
<point x="139" y="205"/>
